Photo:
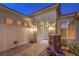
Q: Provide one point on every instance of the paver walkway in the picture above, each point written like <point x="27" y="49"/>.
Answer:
<point x="35" y="49"/>
<point x="27" y="50"/>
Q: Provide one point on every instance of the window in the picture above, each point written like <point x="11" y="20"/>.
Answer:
<point x="19" y="22"/>
<point x="68" y="29"/>
<point x="9" y="21"/>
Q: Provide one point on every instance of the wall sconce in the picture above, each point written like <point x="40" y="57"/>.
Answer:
<point x="33" y="29"/>
<point x="51" y="29"/>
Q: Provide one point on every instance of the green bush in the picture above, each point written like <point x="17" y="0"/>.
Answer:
<point x="63" y="42"/>
<point x="74" y="49"/>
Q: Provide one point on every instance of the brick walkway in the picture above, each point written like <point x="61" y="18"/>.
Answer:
<point x="35" y="49"/>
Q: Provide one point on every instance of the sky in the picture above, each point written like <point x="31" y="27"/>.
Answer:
<point x="26" y="8"/>
<point x="67" y="8"/>
<point x="30" y="8"/>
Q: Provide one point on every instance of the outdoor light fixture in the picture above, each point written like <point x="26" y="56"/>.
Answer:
<point x="33" y="29"/>
<point x="51" y="28"/>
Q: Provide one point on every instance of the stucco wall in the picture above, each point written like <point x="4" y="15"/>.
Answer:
<point x="11" y="33"/>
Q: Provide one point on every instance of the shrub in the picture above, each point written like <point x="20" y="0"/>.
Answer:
<point x="63" y="42"/>
<point x="74" y="48"/>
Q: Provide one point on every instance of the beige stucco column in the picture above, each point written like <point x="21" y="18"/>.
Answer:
<point x="58" y="27"/>
<point x="77" y="31"/>
<point x="77" y="27"/>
